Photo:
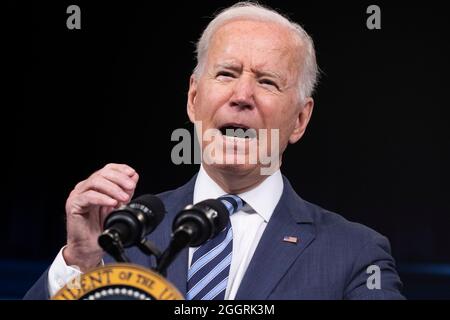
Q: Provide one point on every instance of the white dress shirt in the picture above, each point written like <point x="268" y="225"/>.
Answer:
<point x="248" y="226"/>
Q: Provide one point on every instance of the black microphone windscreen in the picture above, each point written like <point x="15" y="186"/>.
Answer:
<point x="222" y="211"/>
<point x="151" y="202"/>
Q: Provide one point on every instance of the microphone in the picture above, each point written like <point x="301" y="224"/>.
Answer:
<point x="193" y="226"/>
<point x="128" y="225"/>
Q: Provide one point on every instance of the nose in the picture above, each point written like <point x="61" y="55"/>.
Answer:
<point x="243" y="93"/>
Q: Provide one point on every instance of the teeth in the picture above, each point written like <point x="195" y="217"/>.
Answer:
<point x="238" y="132"/>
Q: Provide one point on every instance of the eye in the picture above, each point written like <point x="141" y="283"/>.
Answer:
<point x="225" y="74"/>
<point x="269" y="82"/>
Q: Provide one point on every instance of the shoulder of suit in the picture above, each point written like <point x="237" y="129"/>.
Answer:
<point x="335" y="225"/>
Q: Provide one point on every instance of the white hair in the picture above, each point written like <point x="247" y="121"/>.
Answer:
<point x="308" y="73"/>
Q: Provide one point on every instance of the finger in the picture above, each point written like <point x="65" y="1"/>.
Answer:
<point x="126" y="169"/>
<point x="81" y="186"/>
<point x="119" y="178"/>
<point x="130" y="196"/>
<point x="121" y="168"/>
<point x="135" y="177"/>
<point x="103" y="185"/>
<point x="93" y="198"/>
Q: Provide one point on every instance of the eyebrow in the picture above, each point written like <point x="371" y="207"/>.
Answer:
<point x="228" y="65"/>
<point x="259" y="73"/>
<point x="271" y="74"/>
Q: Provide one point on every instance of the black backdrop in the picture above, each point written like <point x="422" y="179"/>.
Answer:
<point x="376" y="150"/>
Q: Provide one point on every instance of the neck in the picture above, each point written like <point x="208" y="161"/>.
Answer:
<point x="235" y="180"/>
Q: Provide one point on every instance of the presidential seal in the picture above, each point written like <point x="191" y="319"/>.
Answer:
<point x="121" y="281"/>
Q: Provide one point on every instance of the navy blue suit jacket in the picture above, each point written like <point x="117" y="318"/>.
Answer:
<point x="329" y="261"/>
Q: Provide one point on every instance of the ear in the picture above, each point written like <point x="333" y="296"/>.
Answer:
<point x="192" y="94"/>
<point x="302" y="120"/>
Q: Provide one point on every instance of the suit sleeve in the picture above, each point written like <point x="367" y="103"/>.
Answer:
<point x="373" y="275"/>
<point x="39" y="291"/>
<point x="58" y="275"/>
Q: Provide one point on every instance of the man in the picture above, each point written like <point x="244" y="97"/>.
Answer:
<point x="255" y="70"/>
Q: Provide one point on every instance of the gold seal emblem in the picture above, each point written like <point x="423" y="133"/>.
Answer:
<point x="121" y="281"/>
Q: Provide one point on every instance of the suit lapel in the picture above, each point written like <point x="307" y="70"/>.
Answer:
<point x="273" y="256"/>
<point x="177" y="270"/>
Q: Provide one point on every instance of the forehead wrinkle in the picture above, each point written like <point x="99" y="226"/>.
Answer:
<point x="228" y="64"/>
<point x="286" y="48"/>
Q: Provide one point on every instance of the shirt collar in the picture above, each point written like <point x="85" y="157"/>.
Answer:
<point x="263" y="198"/>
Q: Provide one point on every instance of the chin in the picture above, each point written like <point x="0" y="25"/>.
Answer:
<point x="237" y="169"/>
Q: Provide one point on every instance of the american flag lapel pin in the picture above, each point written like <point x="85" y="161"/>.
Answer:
<point x="290" y="239"/>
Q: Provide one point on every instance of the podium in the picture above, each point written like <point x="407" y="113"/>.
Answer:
<point x="119" y="281"/>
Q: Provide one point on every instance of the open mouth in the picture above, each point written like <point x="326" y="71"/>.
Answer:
<point x="238" y="131"/>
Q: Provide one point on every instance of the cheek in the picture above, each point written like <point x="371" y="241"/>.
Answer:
<point x="283" y="119"/>
<point x="277" y="112"/>
<point x="209" y="99"/>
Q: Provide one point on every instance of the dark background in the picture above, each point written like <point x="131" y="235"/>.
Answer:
<point x="376" y="150"/>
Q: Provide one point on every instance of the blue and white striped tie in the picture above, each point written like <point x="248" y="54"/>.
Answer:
<point x="210" y="266"/>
